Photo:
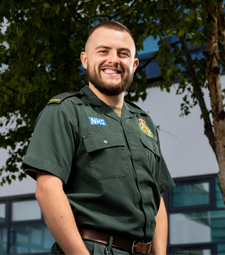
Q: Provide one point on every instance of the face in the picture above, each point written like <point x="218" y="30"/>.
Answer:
<point x="109" y="60"/>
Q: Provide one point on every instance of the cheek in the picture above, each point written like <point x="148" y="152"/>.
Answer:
<point x="97" y="62"/>
<point x="128" y="66"/>
<point x="131" y="69"/>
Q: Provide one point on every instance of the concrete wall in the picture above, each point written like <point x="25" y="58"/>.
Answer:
<point x="183" y="143"/>
<point x="27" y="186"/>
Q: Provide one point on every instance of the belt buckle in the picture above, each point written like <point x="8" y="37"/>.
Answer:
<point x="133" y="244"/>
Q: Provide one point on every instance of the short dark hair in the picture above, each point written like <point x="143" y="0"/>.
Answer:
<point x="114" y="25"/>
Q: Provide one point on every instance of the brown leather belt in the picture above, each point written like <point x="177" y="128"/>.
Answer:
<point x="136" y="246"/>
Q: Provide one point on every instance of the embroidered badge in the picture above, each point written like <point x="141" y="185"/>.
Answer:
<point x="145" y="128"/>
<point x="97" y="121"/>
<point x="54" y="99"/>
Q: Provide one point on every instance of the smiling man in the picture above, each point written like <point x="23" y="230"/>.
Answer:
<point x="97" y="159"/>
<point x="109" y="61"/>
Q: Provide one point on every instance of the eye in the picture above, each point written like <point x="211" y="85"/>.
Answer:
<point x="103" y="51"/>
<point x="124" y="54"/>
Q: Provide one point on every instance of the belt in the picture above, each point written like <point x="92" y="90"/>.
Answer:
<point x="136" y="246"/>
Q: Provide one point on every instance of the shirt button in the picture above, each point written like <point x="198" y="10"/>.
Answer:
<point x="105" y="141"/>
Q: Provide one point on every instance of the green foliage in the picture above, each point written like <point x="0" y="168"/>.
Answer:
<point x="44" y="40"/>
<point x="41" y="50"/>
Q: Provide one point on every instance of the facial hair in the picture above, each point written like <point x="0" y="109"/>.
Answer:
<point x="105" y="87"/>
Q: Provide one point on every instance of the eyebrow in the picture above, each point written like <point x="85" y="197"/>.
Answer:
<point x="108" y="48"/>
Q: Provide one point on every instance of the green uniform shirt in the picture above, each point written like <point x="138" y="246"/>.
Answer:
<point x="112" y="167"/>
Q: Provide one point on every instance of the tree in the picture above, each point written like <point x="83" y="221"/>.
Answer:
<point x="45" y="39"/>
<point x="199" y="26"/>
<point x="42" y="55"/>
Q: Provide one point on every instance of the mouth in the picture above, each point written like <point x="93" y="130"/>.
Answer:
<point x="111" y="71"/>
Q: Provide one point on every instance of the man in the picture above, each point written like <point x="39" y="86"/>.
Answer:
<point x="97" y="159"/>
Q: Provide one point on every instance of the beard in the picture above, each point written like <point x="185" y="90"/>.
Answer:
<point x="105" y="87"/>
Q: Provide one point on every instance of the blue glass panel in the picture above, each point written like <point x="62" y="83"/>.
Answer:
<point x="152" y="70"/>
<point x="3" y="241"/>
<point x="190" y="194"/>
<point x="220" y="249"/>
<point x="197" y="227"/>
<point x="150" y="45"/>
<point x="218" y="196"/>
<point x="30" y="239"/>
<point x="218" y="226"/>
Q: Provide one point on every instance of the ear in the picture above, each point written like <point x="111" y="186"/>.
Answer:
<point x="83" y="58"/>
<point x="135" y="65"/>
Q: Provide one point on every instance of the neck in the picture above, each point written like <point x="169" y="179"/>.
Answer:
<point x="116" y="101"/>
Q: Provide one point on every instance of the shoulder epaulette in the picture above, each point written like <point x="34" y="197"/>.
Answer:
<point x="59" y="98"/>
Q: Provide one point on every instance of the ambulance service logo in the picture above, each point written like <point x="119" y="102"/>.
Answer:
<point x="145" y="128"/>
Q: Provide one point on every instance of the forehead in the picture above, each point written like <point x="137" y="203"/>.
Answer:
<point x="110" y="38"/>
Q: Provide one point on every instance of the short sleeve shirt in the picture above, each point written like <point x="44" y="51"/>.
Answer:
<point x="112" y="168"/>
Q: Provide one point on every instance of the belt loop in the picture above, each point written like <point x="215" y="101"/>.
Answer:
<point x="110" y="245"/>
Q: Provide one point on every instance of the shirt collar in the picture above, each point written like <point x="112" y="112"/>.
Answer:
<point x="128" y="107"/>
<point x="90" y="96"/>
<point x="131" y="107"/>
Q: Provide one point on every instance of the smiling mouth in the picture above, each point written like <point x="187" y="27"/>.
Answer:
<point x="111" y="71"/>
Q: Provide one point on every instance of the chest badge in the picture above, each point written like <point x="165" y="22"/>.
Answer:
<point x="97" y="121"/>
<point x="145" y="128"/>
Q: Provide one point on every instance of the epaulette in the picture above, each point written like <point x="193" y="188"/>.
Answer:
<point x="59" y="98"/>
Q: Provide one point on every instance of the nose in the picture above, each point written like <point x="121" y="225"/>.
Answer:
<point x="113" y="58"/>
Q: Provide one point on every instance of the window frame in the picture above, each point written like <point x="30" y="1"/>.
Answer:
<point x="5" y="201"/>
<point x="22" y="222"/>
<point x="10" y="224"/>
<point x="197" y="208"/>
<point x="189" y="181"/>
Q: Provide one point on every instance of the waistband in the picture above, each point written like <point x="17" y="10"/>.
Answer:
<point x="135" y="246"/>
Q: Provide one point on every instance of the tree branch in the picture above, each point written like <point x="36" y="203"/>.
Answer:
<point x="208" y="129"/>
<point x="152" y="58"/>
<point x="146" y="63"/>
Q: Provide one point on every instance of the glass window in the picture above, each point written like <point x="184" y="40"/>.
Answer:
<point x="218" y="196"/>
<point x="30" y="239"/>
<point x="150" y="45"/>
<point x="190" y="194"/>
<point x="3" y="241"/>
<point x="197" y="227"/>
<point x="220" y="249"/>
<point x="152" y="70"/>
<point x="26" y="210"/>
<point x="2" y="212"/>
<point x="192" y="252"/>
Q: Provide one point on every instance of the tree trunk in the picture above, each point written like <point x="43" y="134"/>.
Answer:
<point x="208" y="128"/>
<point x="215" y="91"/>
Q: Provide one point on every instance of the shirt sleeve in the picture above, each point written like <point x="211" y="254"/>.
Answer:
<point x="52" y="145"/>
<point x="162" y="175"/>
<point x="33" y="172"/>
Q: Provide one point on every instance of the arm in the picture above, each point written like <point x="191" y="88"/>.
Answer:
<point x="161" y="231"/>
<point x="58" y="214"/>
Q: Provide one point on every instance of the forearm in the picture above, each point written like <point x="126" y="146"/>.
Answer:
<point x="58" y="216"/>
<point x="161" y="231"/>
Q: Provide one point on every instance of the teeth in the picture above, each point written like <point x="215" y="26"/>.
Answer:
<point x="110" y="71"/>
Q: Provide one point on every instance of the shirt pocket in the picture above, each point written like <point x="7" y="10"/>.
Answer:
<point x="152" y="152"/>
<point x="108" y="158"/>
